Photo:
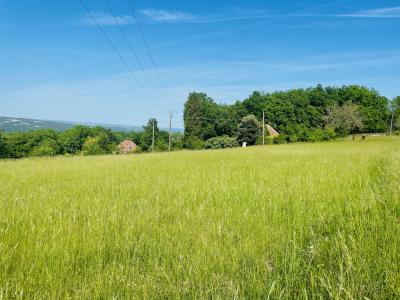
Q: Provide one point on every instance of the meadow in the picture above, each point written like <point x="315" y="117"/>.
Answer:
<point x="306" y="221"/>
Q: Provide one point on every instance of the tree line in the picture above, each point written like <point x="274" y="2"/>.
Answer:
<point x="313" y="114"/>
<point x="83" y="140"/>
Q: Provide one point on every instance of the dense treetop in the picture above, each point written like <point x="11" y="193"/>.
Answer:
<point x="294" y="113"/>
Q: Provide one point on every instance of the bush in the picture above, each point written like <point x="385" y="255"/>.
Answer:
<point x="46" y="148"/>
<point x="281" y="139"/>
<point x="194" y="143"/>
<point x="221" y="142"/>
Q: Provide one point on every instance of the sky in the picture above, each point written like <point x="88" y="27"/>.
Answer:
<point x="56" y="64"/>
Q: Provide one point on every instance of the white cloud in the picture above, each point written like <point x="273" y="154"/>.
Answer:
<point x="167" y="16"/>
<point x="389" y="12"/>
<point x="232" y="14"/>
<point x="105" y="19"/>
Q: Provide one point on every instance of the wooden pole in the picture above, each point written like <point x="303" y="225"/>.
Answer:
<point x="263" y="128"/>
<point x="391" y="122"/>
<point x="170" y="132"/>
<point x="152" y="143"/>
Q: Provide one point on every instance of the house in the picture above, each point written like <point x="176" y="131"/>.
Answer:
<point x="272" y="131"/>
<point x="127" y="146"/>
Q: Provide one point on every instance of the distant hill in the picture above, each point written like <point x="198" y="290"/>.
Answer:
<point x="21" y="124"/>
<point x="9" y="124"/>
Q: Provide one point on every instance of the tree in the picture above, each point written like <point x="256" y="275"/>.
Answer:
<point x="395" y="108"/>
<point x="99" y="145"/>
<point x="344" y="119"/>
<point x="146" y="137"/>
<point x="249" y="130"/>
<point x="373" y="107"/>
<point x="92" y="146"/>
<point x="199" y="117"/>
<point x="3" y="145"/>
<point x="48" y="147"/>
<point x="21" y="144"/>
<point x="73" y="139"/>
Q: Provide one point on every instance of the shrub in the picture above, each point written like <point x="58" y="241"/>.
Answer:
<point x="221" y="142"/>
<point x="281" y="139"/>
<point x="194" y="143"/>
<point x="46" y="148"/>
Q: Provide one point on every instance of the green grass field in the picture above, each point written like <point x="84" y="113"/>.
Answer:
<point x="287" y="221"/>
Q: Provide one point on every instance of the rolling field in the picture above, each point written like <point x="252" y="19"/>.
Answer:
<point x="288" y="221"/>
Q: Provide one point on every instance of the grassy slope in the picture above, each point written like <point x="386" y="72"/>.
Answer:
<point x="303" y="220"/>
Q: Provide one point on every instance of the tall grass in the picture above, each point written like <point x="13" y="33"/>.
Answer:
<point x="287" y="221"/>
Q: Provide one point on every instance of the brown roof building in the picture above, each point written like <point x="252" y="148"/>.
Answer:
<point x="272" y="131"/>
<point x="127" y="146"/>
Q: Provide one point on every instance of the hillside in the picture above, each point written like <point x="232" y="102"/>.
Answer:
<point x="9" y="124"/>
<point x="295" y="221"/>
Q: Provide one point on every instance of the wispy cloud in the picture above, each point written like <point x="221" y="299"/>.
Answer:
<point x="167" y="16"/>
<point x="388" y="12"/>
<point x="105" y="19"/>
<point x="233" y="14"/>
<point x="237" y="14"/>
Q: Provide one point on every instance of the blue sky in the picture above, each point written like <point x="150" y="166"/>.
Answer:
<point x="55" y="64"/>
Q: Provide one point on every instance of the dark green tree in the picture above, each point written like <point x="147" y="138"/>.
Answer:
<point x="72" y="140"/>
<point x="3" y="145"/>
<point x="395" y="107"/>
<point x="249" y="130"/>
<point x="199" y="117"/>
<point x="21" y="144"/>
<point x="146" y="137"/>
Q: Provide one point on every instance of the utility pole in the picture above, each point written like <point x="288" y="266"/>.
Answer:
<point x="152" y="143"/>
<point x="171" y="115"/>
<point x="391" y="122"/>
<point x="263" y="128"/>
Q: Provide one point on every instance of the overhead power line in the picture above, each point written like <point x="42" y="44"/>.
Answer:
<point x="124" y="62"/>
<point x="148" y="48"/>
<point x="130" y="46"/>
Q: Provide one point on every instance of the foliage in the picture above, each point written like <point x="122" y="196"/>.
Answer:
<point x="161" y="138"/>
<point x="249" y="130"/>
<point x="3" y="145"/>
<point x="294" y="112"/>
<point x="98" y="145"/>
<point x="72" y="140"/>
<point x="199" y="116"/>
<point x="345" y="119"/>
<point x="204" y="119"/>
<point x="221" y="142"/>
<point x="80" y="139"/>
<point x="48" y="147"/>
<point x="395" y="107"/>
<point x="193" y="143"/>
<point x="21" y="144"/>
<point x="315" y="221"/>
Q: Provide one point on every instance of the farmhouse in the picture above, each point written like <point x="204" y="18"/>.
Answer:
<point x="127" y="146"/>
<point x="272" y="131"/>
